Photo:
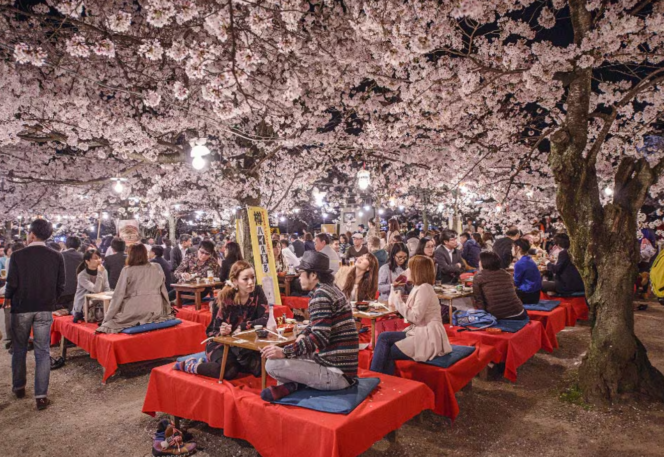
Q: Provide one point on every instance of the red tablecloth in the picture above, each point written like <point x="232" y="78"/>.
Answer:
<point x="55" y="337"/>
<point x="204" y="315"/>
<point x="444" y="382"/>
<point x="115" y="349"/>
<point x="384" y="324"/>
<point x="286" y="431"/>
<point x="576" y="307"/>
<point x="514" y="349"/>
<point x="295" y="302"/>
<point x="553" y="321"/>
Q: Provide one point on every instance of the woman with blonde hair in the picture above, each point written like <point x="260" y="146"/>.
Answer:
<point x="360" y="282"/>
<point x="425" y="339"/>
<point x="240" y="306"/>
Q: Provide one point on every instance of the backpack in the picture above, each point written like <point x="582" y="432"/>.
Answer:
<point x="657" y="276"/>
<point x="473" y="318"/>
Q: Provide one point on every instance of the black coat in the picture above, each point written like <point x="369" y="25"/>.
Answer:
<point x="298" y="248"/>
<point x="309" y="246"/>
<point x="114" y="264"/>
<point x="36" y="279"/>
<point x="447" y="272"/>
<point x="167" y="254"/>
<point x="503" y="247"/>
<point x="176" y="257"/>
<point x="567" y="277"/>
<point x="168" y="274"/>
<point x="72" y="259"/>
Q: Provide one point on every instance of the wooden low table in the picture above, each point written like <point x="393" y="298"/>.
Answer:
<point x="373" y="316"/>
<point x="104" y="297"/>
<point x="192" y="290"/>
<point x="451" y="296"/>
<point x="250" y="340"/>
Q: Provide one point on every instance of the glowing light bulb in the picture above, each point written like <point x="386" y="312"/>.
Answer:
<point x="360" y="214"/>
<point x="608" y="191"/>
<point x="118" y="187"/>
<point x="198" y="163"/>
<point x="381" y="211"/>
<point x="282" y="219"/>
<point x="367" y="207"/>
<point x="104" y="216"/>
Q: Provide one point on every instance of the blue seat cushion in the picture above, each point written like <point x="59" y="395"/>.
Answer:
<point x="543" y="305"/>
<point x="152" y="326"/>
<point x="447" y="360"/>
<point x="573" y="294"/>
<point x="198" y="355"/>
<point x="332" y="401"/>
<point x="511" y="325"/>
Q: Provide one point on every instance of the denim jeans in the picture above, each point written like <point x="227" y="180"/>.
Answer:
<point x="386" y="352"/>
<point x="307" y="372"/>
<point x="40" y="323"/>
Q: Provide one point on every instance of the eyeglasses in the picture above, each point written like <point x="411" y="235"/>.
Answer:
<point x="401" y="257"/>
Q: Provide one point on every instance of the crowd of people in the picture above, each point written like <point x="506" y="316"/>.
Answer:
<point x="335" y="272"/>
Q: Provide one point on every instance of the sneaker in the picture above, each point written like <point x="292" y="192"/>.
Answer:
<point x="20" y="393"/>
<point x="43" y="403"/>
<point x="57" y="362"/>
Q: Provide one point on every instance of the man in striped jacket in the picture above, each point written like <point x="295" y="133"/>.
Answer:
<point x="325" y="355"/>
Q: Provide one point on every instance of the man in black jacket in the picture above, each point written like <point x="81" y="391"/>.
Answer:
<point x="448" y="259"/>
<point x="180" y="251"/>
<point x="297" y="245"/>
<point x="35" y="281"/>
<point x="503" y="247"/>
<point x="156" y="255"/>
<point x="114" y="263"/>
<point x="72" y="259"/>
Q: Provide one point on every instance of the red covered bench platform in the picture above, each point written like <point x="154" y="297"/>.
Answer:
<point x="111" y="350"/>
<point x="286" y="431"/>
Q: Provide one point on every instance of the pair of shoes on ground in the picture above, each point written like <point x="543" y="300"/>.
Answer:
<point x="57" y="362"/>
<point x="170" y="441"/>
<point x="42" y="403"/>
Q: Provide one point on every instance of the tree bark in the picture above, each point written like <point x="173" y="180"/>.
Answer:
<point x="603" y="246"/>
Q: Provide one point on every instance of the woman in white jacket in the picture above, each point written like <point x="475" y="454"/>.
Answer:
<point x="425" y="339"/>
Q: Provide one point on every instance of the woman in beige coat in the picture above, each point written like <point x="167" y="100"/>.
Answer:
<point x="425" y="339"/>
<point x="140" y="296"/>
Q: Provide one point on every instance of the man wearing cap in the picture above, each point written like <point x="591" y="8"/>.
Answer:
<point x="358" y="248"/>
<point x="325" y="355"/>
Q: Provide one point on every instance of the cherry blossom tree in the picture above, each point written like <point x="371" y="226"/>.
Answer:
<point x="508" y="107"/>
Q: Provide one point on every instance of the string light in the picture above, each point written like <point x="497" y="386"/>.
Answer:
<point x="608" y="191"/>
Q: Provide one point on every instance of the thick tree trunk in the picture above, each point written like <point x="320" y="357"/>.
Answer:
<point x="616" y="364"/>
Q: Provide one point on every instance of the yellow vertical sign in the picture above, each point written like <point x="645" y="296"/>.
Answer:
<point x="261" y="245"/>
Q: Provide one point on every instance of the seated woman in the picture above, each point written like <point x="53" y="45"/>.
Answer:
<point x="493" y="290"/>
<point x="233" y="254"/>
<point x="389" y="272"/>
<point x="140" y="295"/>
<point x="567" y="279"/>
<point x="359" y="282"/>
<point x="425" y="339"/>
<point x="527" y="278"/>
<point x="239" y="307"/>
<point x="279" y="261"/>
<point x="92" y="279"/>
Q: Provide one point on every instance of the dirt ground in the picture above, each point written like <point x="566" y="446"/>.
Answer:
<point x="497" y="417"/>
